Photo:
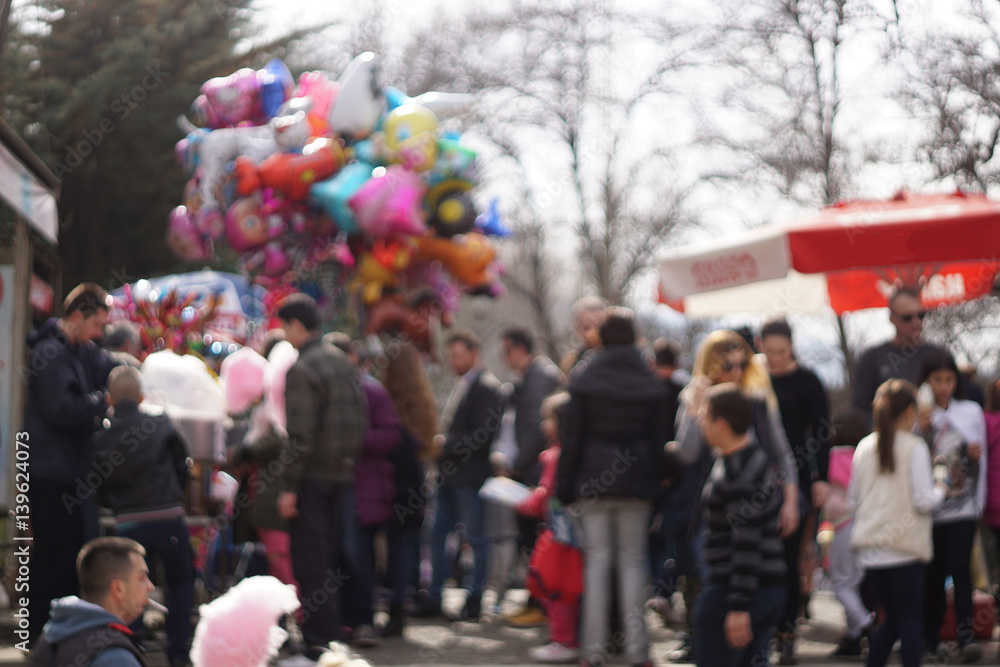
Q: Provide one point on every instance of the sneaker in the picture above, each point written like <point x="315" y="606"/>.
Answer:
<point x="666" y="611"/>
<point x="364" y="636"/>
<point x="529" y="617"/>
<point x="554" y="653"/>
<point x="683" y="654"/>
<point x="786" y="647"/>
<point x="848" y="647"/>
<point x="424" y="605"/>
<point x="970" y="653"/>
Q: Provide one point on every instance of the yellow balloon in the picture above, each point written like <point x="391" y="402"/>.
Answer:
<point x="405" y="122"/>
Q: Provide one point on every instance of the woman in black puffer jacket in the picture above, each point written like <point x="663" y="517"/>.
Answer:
<point x="611" y="466"/>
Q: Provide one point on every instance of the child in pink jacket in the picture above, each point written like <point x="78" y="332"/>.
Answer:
<point x="563" y="616"/>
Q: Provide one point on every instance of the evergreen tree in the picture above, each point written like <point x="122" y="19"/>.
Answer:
<point x="95" y="88"/>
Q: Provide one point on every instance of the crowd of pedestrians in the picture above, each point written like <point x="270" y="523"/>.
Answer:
<point x="710" y="484"/>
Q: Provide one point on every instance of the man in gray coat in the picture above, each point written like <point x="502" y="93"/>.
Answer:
<point x="326" y="421"/>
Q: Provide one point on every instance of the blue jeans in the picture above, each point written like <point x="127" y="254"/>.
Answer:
<point x="458" y="504"/>
<point x="170" y="542"/>
<point x="710" y="612"/>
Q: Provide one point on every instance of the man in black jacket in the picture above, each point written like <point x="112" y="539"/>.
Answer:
<point x="143" y="461"/>
<point x="66" y="376"/>
<point x="611" y="465"/>
<point x="469" y="423"/>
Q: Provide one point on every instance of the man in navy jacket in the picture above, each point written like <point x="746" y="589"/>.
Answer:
<point x="66" y="376"/>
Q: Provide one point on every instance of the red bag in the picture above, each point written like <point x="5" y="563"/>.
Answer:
<point x="555" y="571"/>
<point x="984" y="616"/>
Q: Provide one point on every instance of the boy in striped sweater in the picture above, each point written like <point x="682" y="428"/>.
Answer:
<point x="742" y="544"/>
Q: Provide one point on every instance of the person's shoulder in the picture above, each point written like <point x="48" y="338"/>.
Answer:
<point x="488" y="380"/>
<point x="116" y="656"/>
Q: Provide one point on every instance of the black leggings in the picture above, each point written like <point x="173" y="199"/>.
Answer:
<point x="952" y="556"/>
<point x="900" y="592"/>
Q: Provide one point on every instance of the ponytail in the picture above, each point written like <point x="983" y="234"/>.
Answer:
<point x="892" y="399"/>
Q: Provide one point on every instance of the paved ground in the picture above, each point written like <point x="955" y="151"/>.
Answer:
<point x="441" y="643"/>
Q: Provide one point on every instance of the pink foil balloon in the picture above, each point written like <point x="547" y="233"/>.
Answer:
<point x="390" y="203"/>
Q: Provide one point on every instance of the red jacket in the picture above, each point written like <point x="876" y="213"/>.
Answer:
<point x="537" y="505"/>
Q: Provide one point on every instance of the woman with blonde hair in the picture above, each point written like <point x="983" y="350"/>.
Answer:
<point x="726" y="357"/>
<point x="403" y="376"/>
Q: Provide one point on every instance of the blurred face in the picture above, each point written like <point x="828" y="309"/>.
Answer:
<point x="731" y="367"/>
<point x="295" y="333"/>
<point x="907" y="315"/>
<point x="943" y="382"/>
<point x="137" y="587"/>
<point x="778" y="351"/>
<point x="86" y="328"/>
<point x="461" y="358"/>
<point x="589" y="327"/>
<point x="516" y="356"/>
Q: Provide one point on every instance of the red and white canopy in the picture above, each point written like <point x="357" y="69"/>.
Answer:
<point x="849" y="256"/>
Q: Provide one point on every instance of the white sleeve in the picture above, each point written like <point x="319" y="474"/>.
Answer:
<point x="688" y="435"/>
<point x="926" y="496"/>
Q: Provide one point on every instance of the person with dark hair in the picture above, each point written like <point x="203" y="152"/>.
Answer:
<point x="892" y="495"/>
<point x="368" y="503"/>
<point x="66" y="376"/>
<point x="92" y="629"/>
<point x="671" y="552"/>
<point x="955" y="430"/>
<point x="121" y="339"/>
<point x="537" y="377"/>
<point x="900" y="357"/>
<point x="326" y="421"/>
<point x="744" y="554"/>
<point x="470" y="422"/>
<point x="147" y="460"/>
<point x="805" y="417"/>
<point x="613" y="461"/>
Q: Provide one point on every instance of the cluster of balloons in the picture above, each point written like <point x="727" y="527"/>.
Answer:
<point x="292" y="178"/>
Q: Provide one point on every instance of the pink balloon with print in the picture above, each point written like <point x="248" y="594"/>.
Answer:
<point x="390" y="203"/>
<point x="183" y="236"/>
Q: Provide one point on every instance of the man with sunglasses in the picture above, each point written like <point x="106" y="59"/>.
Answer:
<point x="900" y="357"/>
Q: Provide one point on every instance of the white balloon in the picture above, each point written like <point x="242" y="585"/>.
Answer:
<point x="444" y="105"/>
<point x="359" y="101"/>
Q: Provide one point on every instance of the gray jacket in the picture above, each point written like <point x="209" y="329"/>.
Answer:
<point x="326" y="414"/>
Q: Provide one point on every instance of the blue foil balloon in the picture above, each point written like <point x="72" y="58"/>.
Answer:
<point x="333" y="194"/>
<point x="276" y="84"/>
<point x="490" y="222"/>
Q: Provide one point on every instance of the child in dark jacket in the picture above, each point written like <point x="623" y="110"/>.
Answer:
<point x="563" y="616"/>
<point x="144" y="464"/>
<point x="743" y="548"/>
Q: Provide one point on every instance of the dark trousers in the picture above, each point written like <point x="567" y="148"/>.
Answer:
<point x="711" y="647"/>
<point x="169" y="541"/>
<point x="952" y="556"/>
<point x="359" y="563"/>
<point x="358" y="560"/>
<point x="793" y="601"/>
<point x="315" y="538"/>
<point x="61" y="524"/>
<point x="900" y="592"/>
